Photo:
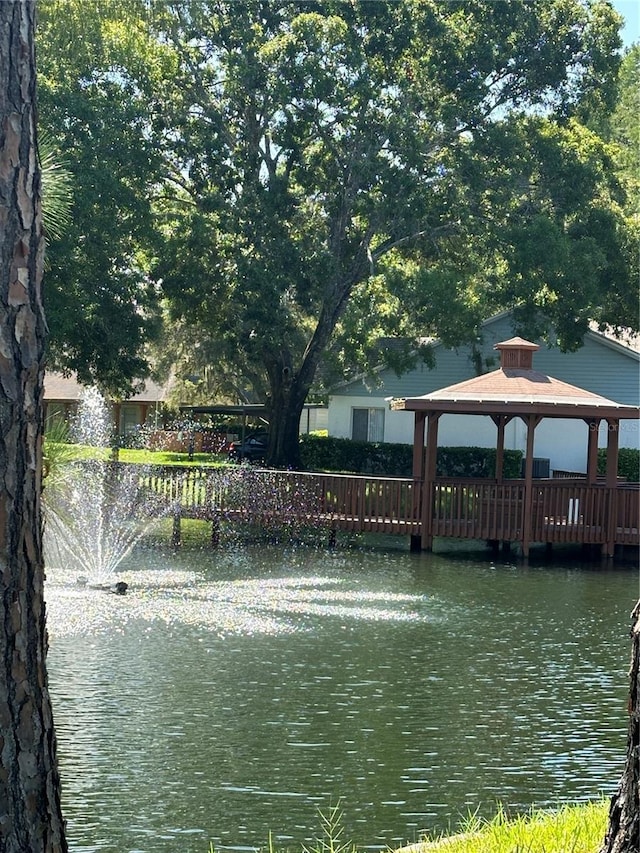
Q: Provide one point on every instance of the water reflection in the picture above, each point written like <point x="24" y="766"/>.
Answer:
<point x="232" y="693"/>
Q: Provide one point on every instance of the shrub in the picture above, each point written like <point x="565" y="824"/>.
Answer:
<point x="628" y="463"/>
<point x="396" y="460"/>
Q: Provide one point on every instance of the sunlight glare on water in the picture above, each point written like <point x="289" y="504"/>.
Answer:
<point x="254" y="606"/>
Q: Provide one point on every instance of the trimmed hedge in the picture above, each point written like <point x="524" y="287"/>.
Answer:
<point x="477" y="462"/>
<point x="628" y="463"/>
<point x="395" y="460"/>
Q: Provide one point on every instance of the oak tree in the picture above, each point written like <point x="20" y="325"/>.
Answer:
<point x="335" y="171"/>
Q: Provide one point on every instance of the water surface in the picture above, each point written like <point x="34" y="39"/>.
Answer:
<point x="234" y="693"/>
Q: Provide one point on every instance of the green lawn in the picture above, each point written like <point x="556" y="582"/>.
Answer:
<point x="164" y="457"/>
<point x="72" y="452"/>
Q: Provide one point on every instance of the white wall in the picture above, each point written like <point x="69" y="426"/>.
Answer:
<point x="398" y="426"/>
<point x="562" y="441"/>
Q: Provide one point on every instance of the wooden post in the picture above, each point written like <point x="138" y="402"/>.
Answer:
<point x="592" y="451"/>
<point x="176" y="537"/>
<point x="418" y="445"/>
<point x="418" y="473"/>
<point x="613" y="434"/>
<point x="215" y="532"/>
<point x="429" y="479"/>
<point x="532" y="422"/>
<point x="501" y="422"/>
<point x="613" y="437"/>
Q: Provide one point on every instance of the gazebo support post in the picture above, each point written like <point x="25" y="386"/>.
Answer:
<point x="532" y="422"/>
<point x="418" y="473"/>
<point x="501" y="422"/>
<point x="592" y="451"/>
<point x="613" y="436"/>
<point x="418" y="445"/>
<point x="429" y="479"/>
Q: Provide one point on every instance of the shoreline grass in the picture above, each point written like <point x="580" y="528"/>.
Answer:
<point x="578" y="828"/>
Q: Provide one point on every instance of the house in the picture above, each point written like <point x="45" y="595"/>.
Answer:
<point x="62" y="396"/>
<point x="360" y="409"/>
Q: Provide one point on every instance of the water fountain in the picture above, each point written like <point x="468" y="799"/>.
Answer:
<point x="95" y="510"/>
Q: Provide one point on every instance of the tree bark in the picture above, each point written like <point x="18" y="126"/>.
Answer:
<point x="623" y="831"/>
<point x="30" y="813"/>
<point x="287" y="397"/>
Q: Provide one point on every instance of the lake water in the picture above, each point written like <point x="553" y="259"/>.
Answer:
<point x="234" y="693"/>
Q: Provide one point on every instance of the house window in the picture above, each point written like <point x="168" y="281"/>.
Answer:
<point x="367" y="425"/>
<point x="129" y="419"/>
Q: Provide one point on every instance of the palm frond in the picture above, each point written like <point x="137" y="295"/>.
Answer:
<point x="57" y="189"/>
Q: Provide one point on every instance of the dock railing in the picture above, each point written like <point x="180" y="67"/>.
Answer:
<point x="563" y="510"/>
<point x="358" y="503"/>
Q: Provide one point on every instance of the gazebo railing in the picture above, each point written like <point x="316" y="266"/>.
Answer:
<point x="571" y="511"/>
<point x="477" y="509"/>
<point x="561" y="511"/>
<point x="628" y="514"/>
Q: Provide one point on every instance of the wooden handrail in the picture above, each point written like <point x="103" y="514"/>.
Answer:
<point x="562" y="510"/>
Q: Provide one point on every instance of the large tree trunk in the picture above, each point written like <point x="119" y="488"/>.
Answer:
<point x="623" y="831"/>
<point x="288" y="396"/>
<point x="288" y="387"/>
<point x="30" y="815"/>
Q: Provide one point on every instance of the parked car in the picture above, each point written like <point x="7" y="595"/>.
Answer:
<point x="252" y="449"/>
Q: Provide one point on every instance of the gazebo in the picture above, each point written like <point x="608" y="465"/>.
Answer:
<point x="583" y="509"/>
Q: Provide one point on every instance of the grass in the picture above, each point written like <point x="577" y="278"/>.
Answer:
<point x="570" y="829"/>
<point x="75" y="452"/>
<point x="165" y="457"/>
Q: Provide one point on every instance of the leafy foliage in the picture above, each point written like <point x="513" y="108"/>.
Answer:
<point x="100" y="300"/>
<point x="57" y="190"/>
<point x="396" y="460"/>
<point x="628" y="463"/>
<point x="315" y="187"/>
<point x="346" y="172"/>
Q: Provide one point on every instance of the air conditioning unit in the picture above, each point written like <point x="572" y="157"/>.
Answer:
<point x="541" y="468"/>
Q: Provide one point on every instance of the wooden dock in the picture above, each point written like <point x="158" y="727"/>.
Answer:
<point x="561" y="510"/>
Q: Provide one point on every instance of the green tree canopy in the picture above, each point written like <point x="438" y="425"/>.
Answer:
<point x="342" y="171"/>
<point x="95" y="68"/>
<point x="302" y="181"/>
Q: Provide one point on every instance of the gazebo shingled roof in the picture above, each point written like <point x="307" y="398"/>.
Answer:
<point x="517" y="388"/>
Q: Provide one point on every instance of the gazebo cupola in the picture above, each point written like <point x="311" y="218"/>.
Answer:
<point x="516" y="353"/>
